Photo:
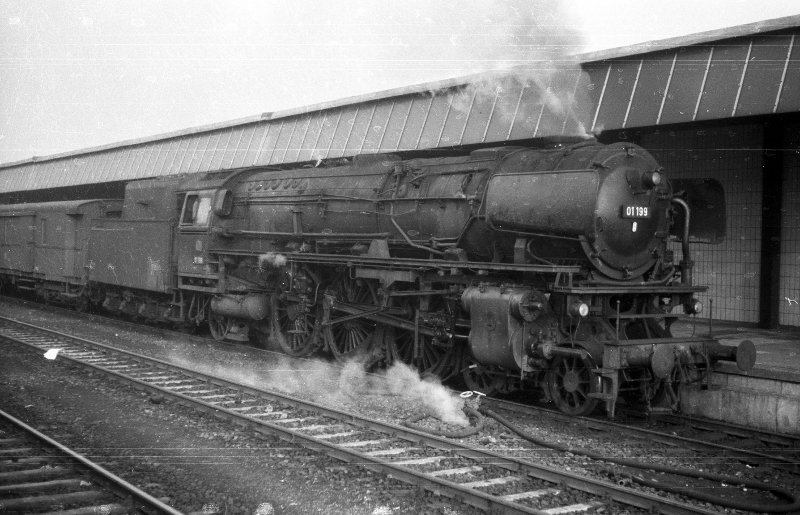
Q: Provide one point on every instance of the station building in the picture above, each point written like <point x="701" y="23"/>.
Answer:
<point x="721" y="104"/>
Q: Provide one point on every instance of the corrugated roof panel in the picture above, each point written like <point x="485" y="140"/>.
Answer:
<point x="762" y="80"/>
<point x="654" y="80"/>
<point x="209" y="150"/>
<point x="599" y="74"/>
<point x="434" y="121"/>
<point x="556" y="103"/>
<point x="615" y="99"/>
<point x="790" y="90"/>
<point x="310" y="137"/>
<point x="219" y="151"/>
<point x="105" y="169"/>
<point x="130" y="165"/>
<point x="245" y="141"/>
<point x="412" y="126"/>
<point x="296" y="140"/>
<point x="401" y="107"/>
<point x="478" y="119"/>
<point x="342" y="132"/>
<point x="8" y="179"/>
<point x="198" y="152"/>
<point x="150" y="165"/>
<point x="173" y="164"/>
<point x="361" y="123"/>
<point x="166" y="157"/>
<point x="282" y="143"/>
<point x="34" y="176"/>
<point x="136" y="158"/>
<point x="124" y="160"/>
<point x="70" y="171"/>
<point x="457" y="113"/>
<point x="47" y="175"/>
<point x="579" y="113"/>
<point x="251" y="148"/>
<point x="150" y="157"/>
<point x="202" y="141"/>
<point x="87" y="171"/>
<point x="267" y="148"/>
<point x="147" y="156"/>
<point x="121" y="159"/>
<point x="327" y="130"/>
<point x="234" y="147"/>
<point x="21" y="177"/>
<point x="531" y="107"/>
<point x="377" y="127"/>
<point x="723" y="81"/>
<point x="505" y="109"/>
<point x="38" y="176"/>
<point x="100" y="172"/>
<point x="97" y="170"/>
<point x="188" y="146"/>
<point x="230" y="150"/>
<point x="686" y="84"/>
<point x="157" y="164"/>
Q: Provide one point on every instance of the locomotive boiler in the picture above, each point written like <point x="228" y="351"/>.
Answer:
<point x="510" y="267"/>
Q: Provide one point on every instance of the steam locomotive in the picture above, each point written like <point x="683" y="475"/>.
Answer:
<point x="510" y="267"/>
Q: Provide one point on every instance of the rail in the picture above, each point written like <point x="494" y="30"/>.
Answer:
<point x="434" y="463"/>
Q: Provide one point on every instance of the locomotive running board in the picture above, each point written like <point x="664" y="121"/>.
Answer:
<point x="604" y="289"/>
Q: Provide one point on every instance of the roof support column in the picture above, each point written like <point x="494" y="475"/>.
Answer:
<point x="772" y="202"/>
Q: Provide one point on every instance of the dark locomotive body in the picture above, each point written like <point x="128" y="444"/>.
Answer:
<point x="512" y="266"/>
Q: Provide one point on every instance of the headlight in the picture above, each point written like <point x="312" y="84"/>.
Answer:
<point x="693" y="307"/>
<point x="578" y="309"/>
<point x="651" y="179"/>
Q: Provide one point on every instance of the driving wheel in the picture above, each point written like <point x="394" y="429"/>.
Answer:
<point x="295" y="327"/>
<point x="355" y="336"/>
<point x="481" y="378"/>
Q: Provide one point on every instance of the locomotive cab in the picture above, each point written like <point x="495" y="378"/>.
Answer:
<point x="195" y="268"/>
<point x="205" y="201"/>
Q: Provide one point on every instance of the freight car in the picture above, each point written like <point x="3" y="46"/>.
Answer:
<point x="512" y="267"/>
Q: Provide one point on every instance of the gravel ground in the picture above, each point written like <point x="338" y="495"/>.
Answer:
<point x="197" y="463"/>
<point x="401" y="395"/>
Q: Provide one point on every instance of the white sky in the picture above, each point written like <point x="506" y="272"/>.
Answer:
<point x="81" y="73"/>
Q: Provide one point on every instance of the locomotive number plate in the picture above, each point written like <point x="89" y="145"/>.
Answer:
<point x="635" y="212"/>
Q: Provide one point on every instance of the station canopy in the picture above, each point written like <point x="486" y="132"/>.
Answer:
<point x="740" y="71"/>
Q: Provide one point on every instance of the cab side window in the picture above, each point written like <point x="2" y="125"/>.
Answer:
<point x="196" y="210"/>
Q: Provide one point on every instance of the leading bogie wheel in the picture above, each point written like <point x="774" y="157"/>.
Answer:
<point x="219" y="326"/>
<point x="571" y="382"/>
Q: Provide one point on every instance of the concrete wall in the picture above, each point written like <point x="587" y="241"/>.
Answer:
<point x="763" y="403"/>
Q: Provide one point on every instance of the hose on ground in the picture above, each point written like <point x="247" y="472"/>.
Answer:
<point x="792" y="506"/>
<point x="476" y="425"/>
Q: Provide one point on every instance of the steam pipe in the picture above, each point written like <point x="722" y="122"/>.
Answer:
<point x="398" y="175"/>
<point x="686" y="263"/>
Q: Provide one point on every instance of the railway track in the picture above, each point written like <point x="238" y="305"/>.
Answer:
<point x="749" y="445"/>
<point x="38" y="474"/>
<point x="476" y="476"/>
<point x="719" y="439"/>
